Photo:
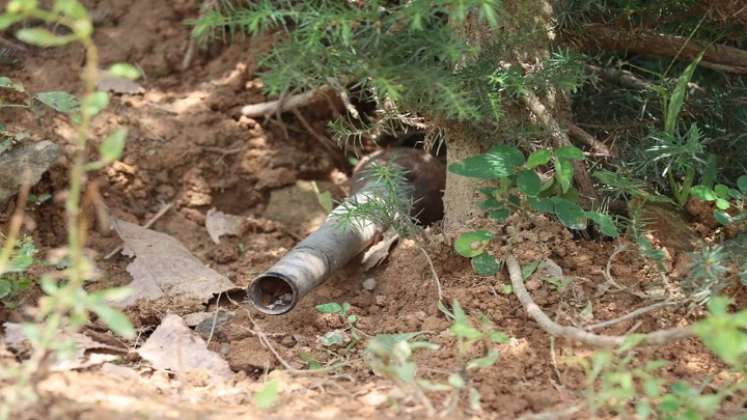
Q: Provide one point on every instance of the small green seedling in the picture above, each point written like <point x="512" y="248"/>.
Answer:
<point x="338" y="337"/>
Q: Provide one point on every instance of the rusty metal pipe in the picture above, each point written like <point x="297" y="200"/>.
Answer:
<point x="329" y="248"/>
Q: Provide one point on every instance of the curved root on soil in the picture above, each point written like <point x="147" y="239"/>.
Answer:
<point x="597" y="340"/>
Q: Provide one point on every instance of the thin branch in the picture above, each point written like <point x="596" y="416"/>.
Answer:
<point x="283" y="104"/>
<point x="433" y="272"/>
<point x="634" y="314"/>
<point x="625" y="77"/>
<point x="588" y="139"/>
<point x="147" y="225"/>
<point x="597" y="340"/>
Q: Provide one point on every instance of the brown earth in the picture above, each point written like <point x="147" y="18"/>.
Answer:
<point x="188" y="145"/>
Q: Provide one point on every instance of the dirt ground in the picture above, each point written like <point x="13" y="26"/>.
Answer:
<point x="188" y="145"/>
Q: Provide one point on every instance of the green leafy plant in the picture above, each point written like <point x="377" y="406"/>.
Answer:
<point x="618" y="382"/>
<point x="66" y="305"/>
<point x="16" y="278"/>
<point x="520" y="188"/>
<point x="725" y="198"/>
<point x="680" y="152"/>
<point x="336" y="338"/>
<point x="390" y="356"/>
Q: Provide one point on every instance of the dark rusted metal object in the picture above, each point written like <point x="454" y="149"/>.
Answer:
<point x="328" y="249"/>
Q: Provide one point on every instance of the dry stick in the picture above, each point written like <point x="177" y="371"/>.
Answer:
<point x="588" y="139"/>
<point x="560" y="138"/>
<point x="611" y="280"/>
<point x="597" y="340"/>
<point x="16" y="221"/>
<point x="280" y="105"/>
<point x="147" y="225"/>
<point x="625" y="77"/>
<point x="638" y="312"/>
<point x="435" y="275"/>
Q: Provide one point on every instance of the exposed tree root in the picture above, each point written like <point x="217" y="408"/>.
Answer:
<point x="597" y="340"/>
<point x="284" y="104"/>
<point x="717" y="57"/>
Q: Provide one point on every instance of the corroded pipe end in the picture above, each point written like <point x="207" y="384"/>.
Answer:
<point x="273" y="293"/>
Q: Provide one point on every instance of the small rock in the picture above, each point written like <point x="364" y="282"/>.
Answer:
<point x="36" y="158"/>
<point x="369" y="284"/>
<point x="435" y="323"/>
<point x="288" y="341"/>
<point x="205" y="327"/>
<point x="249" y="355"/>
<point x="380" y="300"/>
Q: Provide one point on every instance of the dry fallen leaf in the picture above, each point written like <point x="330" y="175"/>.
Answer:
<point x="114" y="84"/>
<point x="173" y="346"/>
<point x="378" y="252"/>
<point x="219" y="224"/>
<point x="163" y="267"/>
<point x="88" y="352"/>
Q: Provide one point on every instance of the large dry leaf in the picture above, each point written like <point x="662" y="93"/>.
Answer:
<point x="219" y="224"/>
<point x="163" y="267"/>
<point x="173" y="346"/>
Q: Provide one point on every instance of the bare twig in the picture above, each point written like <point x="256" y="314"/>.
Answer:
<point x="147" y="225"/>
<point x="631" y="315"/>
<point x="554" y="329"/>
<point x="591" y="141"/>
<point x="16" y="221"/>
<point x="433" y="272"/>
<point x="283" y="104"/>
<point x="554" y="415"/>
<point x="625" y="77"/>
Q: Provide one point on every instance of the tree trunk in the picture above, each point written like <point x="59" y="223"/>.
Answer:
<point x="531" y="22"/>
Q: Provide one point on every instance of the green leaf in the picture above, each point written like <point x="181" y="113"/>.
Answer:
<point x="113" y="146"/>
<point x="570" y="153"/>
<point x="605" y="223"/>
<point x="72" y="8"/>
<point x="9" y="84"/>
<point x="722" y="217"/>
<point x="702" y="192"/>
<point x="529" y="182"/>
<point x="485" y="264"/>
<point x="742" y="183"/>
<point x="529" y="269"/>
<point x="564" y="174"/>
<point x="125" y="70"/>
<point x="722" y="204"/>
<point x="474" y="399"/>
<point x="472" y="244"/>
<point x="542" y="205"/>
<point x="710" y="171"/>
<point x="498" y="337"/>
<point x="114" y="319"/>
<point x="499" y="215"/>
<point x="59" y="101"/>
<point x="94" y="103"/>
<point x="6" y="287"/>
<point x="677" y="100"/>
<point x="405" y="372"/>
<point x="329" y="308"/>
<point x="465" y="331"/>
<point x="43" y="38"/>
<point x="456" y="380"/>
<point x="332" y="338"/>
<point x="268" y="395"/>
<point x="500" y="161"/>
<point x="721" y="190"/>
<point x="538" y="158"/>
<point x="570" y="214"/>
<point x="433" y="386"/>
<point x="483" y="362"/>
<point x="6" y="20"/>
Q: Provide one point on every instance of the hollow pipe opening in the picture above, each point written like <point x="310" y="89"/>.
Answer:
<point x="273" y="293"/>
